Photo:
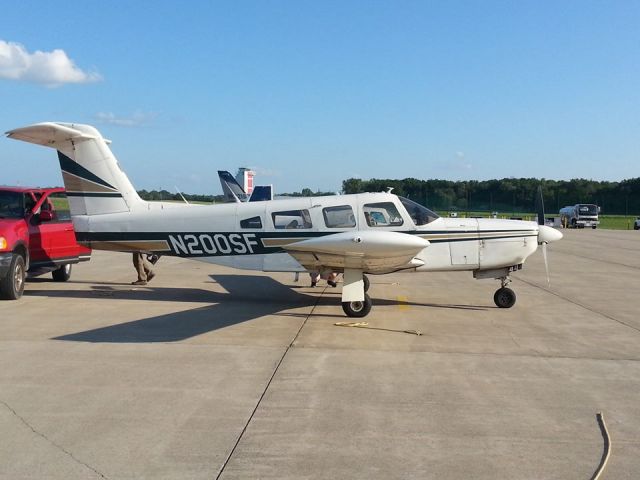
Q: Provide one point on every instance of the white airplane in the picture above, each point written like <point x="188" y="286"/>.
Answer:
<point x="367" y="233"/>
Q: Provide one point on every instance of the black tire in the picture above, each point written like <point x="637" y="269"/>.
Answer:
<point x="357" y="309"/>
<point x="62" y="274"/>
<point x="12" y="286"/>
<point x="504" y="297"/>
<point x="636" y="227"/>
<point x="367" y="283"/>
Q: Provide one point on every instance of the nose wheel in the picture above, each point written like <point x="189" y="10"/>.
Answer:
<point x="504" y="297"/>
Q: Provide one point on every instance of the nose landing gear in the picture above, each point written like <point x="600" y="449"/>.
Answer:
<point x="505" y="297"/>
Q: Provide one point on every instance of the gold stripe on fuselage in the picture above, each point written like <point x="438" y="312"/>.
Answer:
<point x="132" y="245"/>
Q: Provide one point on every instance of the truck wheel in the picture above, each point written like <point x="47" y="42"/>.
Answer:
<point x="62" y="274"/>
<point x="358" y="309"/>
<point x="12" y="286"/>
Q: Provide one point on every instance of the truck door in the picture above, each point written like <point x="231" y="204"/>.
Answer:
<point x="52" y="236"/>
<point x="38" y="250"/>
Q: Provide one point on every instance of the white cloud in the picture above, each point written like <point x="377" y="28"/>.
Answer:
<point x="137" y="119"/>
<point x="51" y="69"/>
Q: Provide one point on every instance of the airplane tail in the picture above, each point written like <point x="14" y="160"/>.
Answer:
<point x="232" y="190"/>
<point x="92" y="177"/>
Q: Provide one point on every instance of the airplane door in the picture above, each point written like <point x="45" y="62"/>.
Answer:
<point x="464" y="244"/>
<point x="250" y="218"/>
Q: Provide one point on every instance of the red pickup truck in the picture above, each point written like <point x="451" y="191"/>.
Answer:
<point x="36" y="237"/>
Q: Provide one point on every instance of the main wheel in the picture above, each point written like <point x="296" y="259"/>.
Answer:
<point x="358" y="309"/>
<point x="504" y="297"/>
<point x="367" y="283"/>
<point x="12" y="286"/>
<point x="62" y="274"/>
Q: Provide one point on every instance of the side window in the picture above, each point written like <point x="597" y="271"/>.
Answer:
<point x="291" y="219"/>
<point x="339" y="217"/>
<point x="383" y="214"/>
<point x="59" y="206"/>
<point x="253" y="222"/>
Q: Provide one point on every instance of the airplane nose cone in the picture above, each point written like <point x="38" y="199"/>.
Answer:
<point x="548" y="234"/>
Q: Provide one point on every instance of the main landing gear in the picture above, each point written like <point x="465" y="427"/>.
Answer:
<point x="505" y="297"/>
<point x="356" y="303"/>
<point x="358" y="309"/>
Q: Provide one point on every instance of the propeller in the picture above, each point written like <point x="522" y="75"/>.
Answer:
<point x="545" y="234"/>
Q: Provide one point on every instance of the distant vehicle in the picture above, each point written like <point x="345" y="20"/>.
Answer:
<point x="636" y="224"/>
<point x="36" y="237"/>
<point x="580" y="215"/>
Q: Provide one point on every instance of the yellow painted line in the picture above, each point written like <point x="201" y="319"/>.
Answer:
<point x="403" y="302"/>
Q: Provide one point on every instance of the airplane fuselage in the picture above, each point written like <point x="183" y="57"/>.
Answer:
<point x="243" y="235"/>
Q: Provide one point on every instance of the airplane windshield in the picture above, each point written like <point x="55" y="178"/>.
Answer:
<point x="11" y="205"/>
<point x="419" y="214"/>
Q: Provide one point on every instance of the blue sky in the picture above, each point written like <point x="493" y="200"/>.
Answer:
<point x="310" y="93"/>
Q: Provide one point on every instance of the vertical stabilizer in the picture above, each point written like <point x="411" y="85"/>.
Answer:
<point x="231" y="189"/>
<point x="94" y="182"/>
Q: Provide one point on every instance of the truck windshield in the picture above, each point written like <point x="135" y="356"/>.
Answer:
<point x="588" y="209"/>
<point x="11" y="205"/>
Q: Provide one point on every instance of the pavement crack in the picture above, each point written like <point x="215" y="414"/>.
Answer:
<point x="51" y="442"/>
<point x="266" y="388"/>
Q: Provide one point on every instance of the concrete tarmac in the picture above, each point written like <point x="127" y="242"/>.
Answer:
<point x="209" y="372"/>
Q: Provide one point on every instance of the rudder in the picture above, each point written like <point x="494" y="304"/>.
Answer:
<point x="94" y="182"/>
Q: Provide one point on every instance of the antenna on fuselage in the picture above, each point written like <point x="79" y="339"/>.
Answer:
<point x="180" y="193"/>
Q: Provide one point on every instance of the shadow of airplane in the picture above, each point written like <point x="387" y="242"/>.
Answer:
<point x="249" y="297"/>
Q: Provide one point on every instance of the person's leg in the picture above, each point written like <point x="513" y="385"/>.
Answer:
<point x="147" y="268"/>
<point x="138" y="262"/>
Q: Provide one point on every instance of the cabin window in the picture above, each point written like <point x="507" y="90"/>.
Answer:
<point x="419" y="214"/>
<point x="253" y="222"/>
<point x="291" y="219"/>
<point x="383" y="214"/>
<point x="339" y="217"/>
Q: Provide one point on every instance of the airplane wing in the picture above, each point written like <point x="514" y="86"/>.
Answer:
<point x="371" y="252"/>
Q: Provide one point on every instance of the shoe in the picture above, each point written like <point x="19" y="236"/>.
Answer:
<point x="332" y="283"/>
<point x="139" y="282"/>
<point x="150" y="275"/>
